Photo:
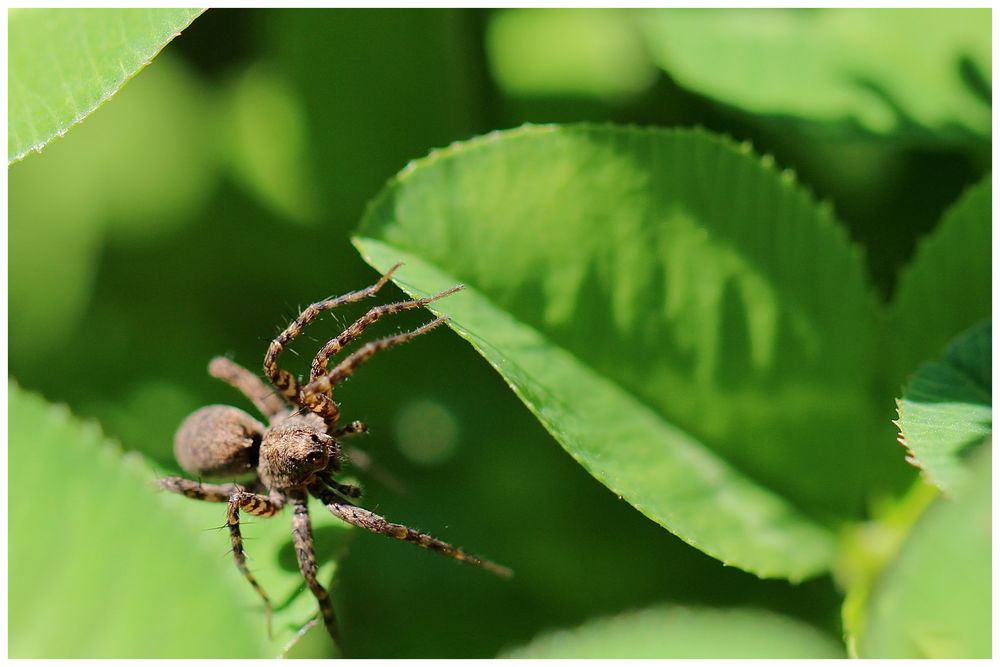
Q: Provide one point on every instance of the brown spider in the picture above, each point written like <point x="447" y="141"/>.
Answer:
<point x="297" y="454"/>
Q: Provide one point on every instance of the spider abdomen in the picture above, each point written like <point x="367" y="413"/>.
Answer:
<point x="218" y="441"/>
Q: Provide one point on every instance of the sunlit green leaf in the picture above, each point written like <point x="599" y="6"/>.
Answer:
<point x="661" y="300"/>
<point x="934" y="600"/>
<point x="886" y="71"/>
<point x="64" y="63"/>
<point x="946" y="288"/>
<point x="103" y="544"/>
<point x="594" y="256"/>
<point x="947" y="407"/>
<point x="679" y="632"/>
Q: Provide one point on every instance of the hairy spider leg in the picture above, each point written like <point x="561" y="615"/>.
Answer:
<point x="315" y="396"/>
<point x="257" y="505"/>
<point x="284" y="381"/>
<point x="303" y="539"/>
<point x="354" y="428"/>
<point x="213" y="493"/>
<point x="349" y="334"/>
<point x="362" y="518"/>
<point x="346" y="490"/>
<point x="324" y="405"/>
<point x="268" y="402"/>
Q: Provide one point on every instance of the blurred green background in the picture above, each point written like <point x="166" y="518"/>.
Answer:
<point x="195" y="214"/>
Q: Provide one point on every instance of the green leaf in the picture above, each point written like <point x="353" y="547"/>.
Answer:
<point x="947" y="407"/>
<point x="946" y="288"/>
<point x="670" y="631"/>
<point x="567" y="52"/>
<point x="934" y="600"/>
<point x="64" y="63"/>
<point x="887" y="71"/>
<point x="104" y="565"/>
<point x="866" y="547"/>
<point x="671" y="309"/>
<point x="137" y="171"/>
<point x="270" y="143"/>
<point x="385" y="63"/>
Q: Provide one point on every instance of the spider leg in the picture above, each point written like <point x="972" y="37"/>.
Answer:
<point x="284" y="381"/>
<point x="306" y="554"/>
<point x="346" y="490"/>
<point x="316" y="395"/>
<point x="362" y="518"/>
<point x="257" y="505"/>
<point x="213" y="493"/>
<point x="335" y="345"/>
<point x="267" y="401"/>
<point x="354" y="428"/>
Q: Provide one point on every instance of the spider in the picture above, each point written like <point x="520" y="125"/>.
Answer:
<point x="298" y="453"/>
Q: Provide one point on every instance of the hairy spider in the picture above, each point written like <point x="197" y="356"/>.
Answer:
<point x="297" y="454"/>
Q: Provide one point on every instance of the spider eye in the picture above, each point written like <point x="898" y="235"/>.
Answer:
<point x="313" y="456"/>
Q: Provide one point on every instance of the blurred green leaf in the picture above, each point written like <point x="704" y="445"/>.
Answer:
<point x="270" y="142"/>
<point x="947" y="407"/>
<point x="946" y="288"/>
<point x="48" y="237"/>
<point x="379" y="87"/>
<point x="138" y="565"/>
<point x="677" y="632"/>
<point x="138" y="170"/>
<point x="661" y="300"/>
<point x="934" y="600"/>
<point x="886" y="71"/>
<point x="101" y="568"/>
<point x="867" y="547"/>
<point x="568" y="52"/>
<point x="64" y="63"/>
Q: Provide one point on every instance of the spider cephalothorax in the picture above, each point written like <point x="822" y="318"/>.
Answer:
<point x="297" y="453"/>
